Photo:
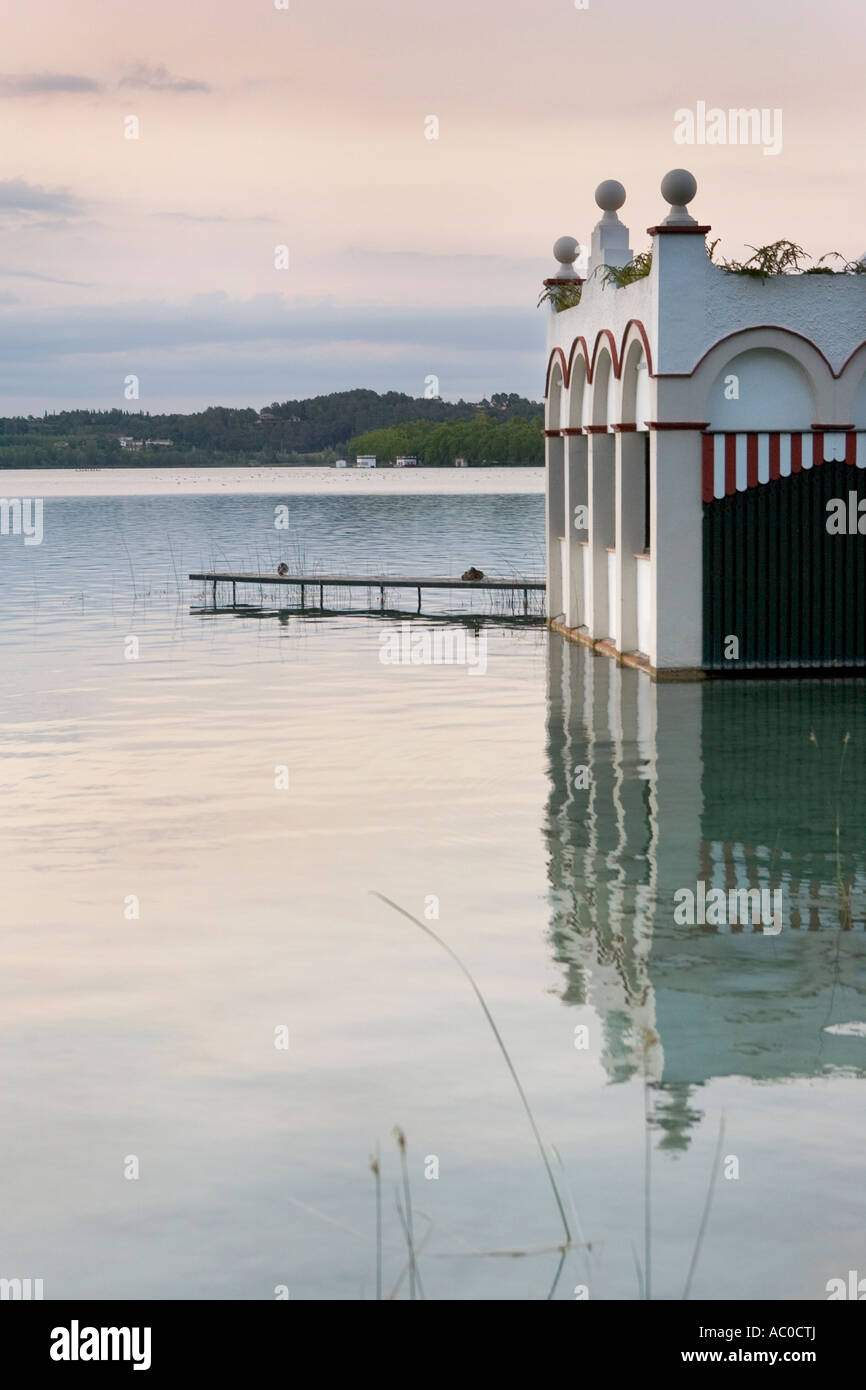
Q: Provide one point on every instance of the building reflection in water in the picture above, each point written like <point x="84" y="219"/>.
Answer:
<point x="655" y="788"/>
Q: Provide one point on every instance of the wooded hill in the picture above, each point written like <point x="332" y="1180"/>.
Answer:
<point x="316" y="430"/>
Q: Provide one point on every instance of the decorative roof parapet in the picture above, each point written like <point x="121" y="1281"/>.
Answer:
<point x="678" y="187"/>
<point x="610" y="235"/>
<point x="566" y="250"/>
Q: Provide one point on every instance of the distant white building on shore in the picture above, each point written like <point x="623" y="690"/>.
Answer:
<point x="128" y="441"/>
<point x="406" y="461"/>
<point x="365" y="461"/>
<point x="341" y="463"/>
<point x="705" y="453"/>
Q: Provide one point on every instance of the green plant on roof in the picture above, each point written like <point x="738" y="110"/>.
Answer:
<point x="847" y="267"/>
<point x="621" y="275"/>
<point x="784" y="258"/>
<point x="561" y="296"/>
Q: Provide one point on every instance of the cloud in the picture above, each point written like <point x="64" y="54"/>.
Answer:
<point x="431" y="260"/>
<point x="44" y="83"/>
<point x="215" y="217"/>
<point x="7" y="298"/>
<point x="48" y="279"/>
<point x="214" y="320"/>
<point x="20" y="197"/>
<point x="215" y="349"/>
<point x="159" y="79"/>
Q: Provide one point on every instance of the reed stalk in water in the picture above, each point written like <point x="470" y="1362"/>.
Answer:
<point x="377" y="1174"/>
<point x="503" y="1049"/>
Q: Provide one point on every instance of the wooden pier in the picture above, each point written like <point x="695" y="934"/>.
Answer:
<point x="305" y="582"/>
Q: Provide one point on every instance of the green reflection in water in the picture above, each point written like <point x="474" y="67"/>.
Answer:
<point x="734" y="786"/>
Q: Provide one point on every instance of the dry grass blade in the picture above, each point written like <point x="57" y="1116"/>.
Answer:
<point x="707" y="1205"/>
<point x="503" y="1049"/>
<point x="414" y="1277"/>
<point x="418" y="1249"/>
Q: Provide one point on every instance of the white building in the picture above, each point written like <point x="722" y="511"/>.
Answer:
<point x="705" y="431"/>
<point x="365" y="461"/>
<point x="406" y="461"/>
<point x="341" y="463"/>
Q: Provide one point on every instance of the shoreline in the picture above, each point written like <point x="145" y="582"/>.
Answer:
<point x="167" y="482"/>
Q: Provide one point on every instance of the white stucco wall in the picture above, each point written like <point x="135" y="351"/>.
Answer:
<point x="644" y="605"/>
<point x="606" y="310"/>
<point x="643" y="405"/>
<point x="699" y="304"/>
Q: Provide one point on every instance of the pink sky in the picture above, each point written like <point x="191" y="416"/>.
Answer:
<point x="409" y="256"/>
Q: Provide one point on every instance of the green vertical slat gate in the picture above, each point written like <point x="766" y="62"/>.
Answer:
<point x="793" y="594"/>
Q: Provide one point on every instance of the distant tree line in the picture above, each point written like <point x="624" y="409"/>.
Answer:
<point x="319" y="429"/>
<point x="479" y="441"/>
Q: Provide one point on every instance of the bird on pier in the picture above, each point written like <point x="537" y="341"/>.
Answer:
<point x="473" y="573"/>
<point x="282" y="569"/>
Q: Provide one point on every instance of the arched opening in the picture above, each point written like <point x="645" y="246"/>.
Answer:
<point x="576" y="500"/>
<point x="602" y="382"/>
<point x="555" y="494"/>
<point x="601" y="492"/>
<point x="633" y="503"/>
<point x="761" y="389"/>
<point x="554" y="396"/>
<point x="576" y="392"/>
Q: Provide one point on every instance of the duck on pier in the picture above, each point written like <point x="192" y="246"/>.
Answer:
<point x="473" y="574"/>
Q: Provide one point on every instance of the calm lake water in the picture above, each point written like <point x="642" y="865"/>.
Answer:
<point x="541" y="817"/>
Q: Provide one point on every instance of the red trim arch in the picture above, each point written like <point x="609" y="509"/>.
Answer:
<point x="770" y="328"/>
<point x="579" y="341"/>
<point x="614" y="356"/>
<point x="557" y="352"/>
<point x="636" y="323"/>
<point x="617" y="355"/>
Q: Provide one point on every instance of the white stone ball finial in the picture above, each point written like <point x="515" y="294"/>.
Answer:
<point x="678" y="187"/>
<point x="566" y="250"/>
<point x="610" y="195"/>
